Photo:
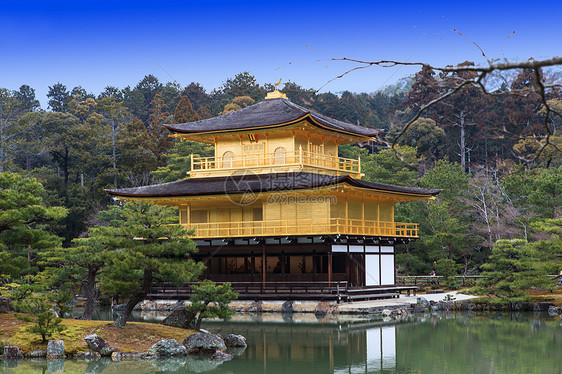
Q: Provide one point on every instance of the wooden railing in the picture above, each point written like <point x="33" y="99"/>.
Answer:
<point x="299" y="157"/>
<point x="304" y="227"/>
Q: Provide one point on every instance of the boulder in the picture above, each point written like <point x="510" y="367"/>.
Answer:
<point x="423" y="303"/>
<point x="88" y="356"/>
<point x="255" y="307"/>
<point x="386" y="313"/>
<point x="321" y="309"/>
<point x="37" y="354"/>
<point x="221" y="356"/>
<point x="232" y="340"/>
<point x="99" y="345"/>
<point x="12" y="352"/>
<point x="287" y="307"/>
<point x="202" y="343"/>
<point x="55" y="349"/>
<point x="128" y="356"/>
<point x="5" y="305"/>
<point x="167" y="348"/>
<point x="180" y="317"/>
<point x="553" y="311"/>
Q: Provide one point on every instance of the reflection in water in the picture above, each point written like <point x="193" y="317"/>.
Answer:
<point x="437" y="343"/>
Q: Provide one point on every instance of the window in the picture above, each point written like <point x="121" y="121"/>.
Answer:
<point x="198" y="216"/>
<point x="254" y="153"/>
<point x="258" y="214"/>
<point x="228" y="159"/>
<point x="280" y="156"/>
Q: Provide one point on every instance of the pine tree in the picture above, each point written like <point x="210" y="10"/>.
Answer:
<point x="144" y="245"/>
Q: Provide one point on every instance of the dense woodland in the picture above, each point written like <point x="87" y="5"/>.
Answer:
<point x="485" y="151"/>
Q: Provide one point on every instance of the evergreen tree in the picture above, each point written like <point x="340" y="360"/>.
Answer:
<point x="514" y="267"/>
<point x="145" y="245"/>
<point x="184" y="112"/>
<point x="59" y="97"/>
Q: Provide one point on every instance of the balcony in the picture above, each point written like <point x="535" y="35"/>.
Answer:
<point x="275" y="162"/>
<point x="301" y="227"/>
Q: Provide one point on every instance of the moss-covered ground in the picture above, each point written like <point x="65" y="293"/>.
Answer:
<point x="135" y="336"/>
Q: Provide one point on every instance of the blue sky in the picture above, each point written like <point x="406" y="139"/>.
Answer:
<point x="100" y="43"/>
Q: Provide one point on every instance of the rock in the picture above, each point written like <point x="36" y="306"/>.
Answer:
<point x="202" y="343"/>
<point x="423" y="303"/>
<point x="419" y="309"/>
<point x="88" y="356"/>
<point x="12" y="352"/>
<point x="255" y="307"/>
<point x="287" y="307"/>
<point x="180" y="317"/>
<point x="167" y="348"/>
<point x="37" y="354"/>
<point x="553" y="311"/>
<point x="321" y="309"/>
<point x="128" y="356"/>
<point x="5" y="305"/>
<point x="99" y="345"/>
<point x="232" y="340"/>
<point x="386" y="313"/>
<point x="55" y="349"/>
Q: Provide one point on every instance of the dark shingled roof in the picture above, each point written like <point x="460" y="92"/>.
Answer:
<point x="268" y="113"/>
<point x="258" y="183"/>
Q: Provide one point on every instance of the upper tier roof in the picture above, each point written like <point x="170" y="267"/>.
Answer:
<point x="256" y="183"/>
<point x="269" y="113"/>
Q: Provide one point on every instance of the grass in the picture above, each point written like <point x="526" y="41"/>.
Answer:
<point x="135" y="336"/>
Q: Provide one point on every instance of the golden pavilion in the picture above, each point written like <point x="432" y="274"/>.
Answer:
<point x="276" y="205"/>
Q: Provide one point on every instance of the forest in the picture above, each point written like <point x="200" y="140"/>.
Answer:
<point x="488" y="153"/>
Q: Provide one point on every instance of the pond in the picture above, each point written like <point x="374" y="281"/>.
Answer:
<point x="437" y="343"/>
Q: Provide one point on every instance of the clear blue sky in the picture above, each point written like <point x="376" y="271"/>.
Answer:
<point x="100" y="43"/>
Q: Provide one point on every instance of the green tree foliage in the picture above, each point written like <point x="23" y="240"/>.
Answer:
<point x="178" y="160"/>
<point x="24" y="221"/>
<point x="38" y="310"/>
<point x="59" y="97"/>
<point x="144" y="245"/>
<point x="25" y="95"/>
<point x="210" y="300"/>
<point x="514" y="267"/>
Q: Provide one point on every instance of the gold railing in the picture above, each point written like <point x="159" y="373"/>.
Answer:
<point x="299" y="157"/>
<point x="304" y="227"/>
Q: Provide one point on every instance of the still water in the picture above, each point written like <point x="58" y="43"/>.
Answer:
<point x="438" y="343"/>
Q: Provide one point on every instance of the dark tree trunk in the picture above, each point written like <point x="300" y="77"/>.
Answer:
<point x="90" y="293"/>
<point x="135" y="299"/>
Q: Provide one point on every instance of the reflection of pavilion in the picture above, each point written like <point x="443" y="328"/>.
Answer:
<point x="316" y="348"/>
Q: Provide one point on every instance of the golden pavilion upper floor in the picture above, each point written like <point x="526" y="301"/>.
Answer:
<point x="284" y="204"/>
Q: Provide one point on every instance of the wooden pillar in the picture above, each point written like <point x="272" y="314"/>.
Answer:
<point x="263" y="263"/>
<point x="283" y="265"/>
<point x="253" y="264"/>
<point x="314" y="267"/>
<point x="329" y="267"/>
